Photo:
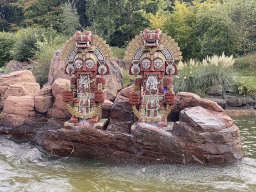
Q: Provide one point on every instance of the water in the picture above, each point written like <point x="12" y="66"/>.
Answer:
<point x="26" y="167"/>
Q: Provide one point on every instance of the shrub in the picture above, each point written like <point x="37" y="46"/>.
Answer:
<point x="7" y="41"/>
<point x="197" y="77"/>
<point x="26" y="45"/>
<point x="43" y="56"/>
<point x="118" y="52"/>
<point x="246" y="63"/>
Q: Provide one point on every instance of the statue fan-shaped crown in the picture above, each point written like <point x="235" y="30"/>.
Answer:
<point x="96" y="41"/>
<point x="166" y="41"/>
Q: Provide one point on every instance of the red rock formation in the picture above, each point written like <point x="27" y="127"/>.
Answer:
<point x="204" y="134"/>
<point x="17" y="91"/>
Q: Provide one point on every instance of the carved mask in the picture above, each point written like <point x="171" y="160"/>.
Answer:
<point x="83" y="40"/>
<point x="151" y="38"/>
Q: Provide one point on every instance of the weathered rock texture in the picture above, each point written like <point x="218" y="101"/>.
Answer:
<point x="20" y="65"/>
<point x="203" y="134"/>
<point x="18" y="83"/>
<point x="59" y="109"/>
<point x="18" y="90"/>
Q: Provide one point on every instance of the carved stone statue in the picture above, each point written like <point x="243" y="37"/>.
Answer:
<point x="152" y="55"/>
<point x="86" y="56"/>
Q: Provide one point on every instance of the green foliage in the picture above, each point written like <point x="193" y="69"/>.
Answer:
<point x="245" y="85"/>
<point x="242" y="27"/>
<point x="118" y="52"/>
<point x="44" y="54"/>
<point x="26" y="44"/>
<point x="210" y="27"/>
<point x="41" y="13"/>
<point x="102" y="17"/>
<point x="197" y="79"/>
<point x="70" y="19"/>
<point x="11" y="16"/>
<point x="246" y="63"/>
<point x="127" y="79"/>
<point x="7" y="41"/>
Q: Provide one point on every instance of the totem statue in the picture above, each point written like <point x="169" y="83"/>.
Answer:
<point x="86" y="56"/>
<point x="152" y="55"/>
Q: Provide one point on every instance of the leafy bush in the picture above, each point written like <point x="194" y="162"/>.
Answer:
<point x="26" y="45"/>
<point x="44" y="54"/>
<point x="246" y="63"/>
<point x="118" y="52"/>
<point x="7" y="41"/>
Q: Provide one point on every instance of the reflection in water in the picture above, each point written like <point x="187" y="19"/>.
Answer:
<point x="25" y="167"/>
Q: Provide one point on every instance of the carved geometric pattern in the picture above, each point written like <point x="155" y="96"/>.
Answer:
<point x="96" y="41"/>
<point x="169" y="43"/>
<point x="99" y="54"/>
<point x="167" y="54"/>
<point x="72" y="55"/>
<point x="138" y="54"/>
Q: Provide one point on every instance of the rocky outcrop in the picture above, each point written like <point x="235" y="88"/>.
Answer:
<point x="186" y="100"/>
<point x="44" y="100"/>
<point x="209" y="136"/>
<point x="59" y="109"/>
<point x="234" y="101"/>
<point x="202" y="134"/>
<point x="18" y="83"/>
<point x="17" y="91"/>
<point x="20" y="65"/>
<point x="121" y="114"/>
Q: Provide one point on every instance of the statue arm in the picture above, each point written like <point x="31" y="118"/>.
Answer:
<point x="169" y="95"/>
<point x="134" y="96"/>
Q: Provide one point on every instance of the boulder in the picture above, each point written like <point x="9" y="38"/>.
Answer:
<point x="121" y="114"/>
<point x="233" y="101"/>
<point x="43" y="103"/>
<point x="18" y="110"/>
<point x="209" y="136"/>
<point x="114" y="80"/>
<point x="18" y="83"/>
<point x="57" y="68"/>
<point x="107" y="104"/>
<point x="185" y="100"/>
<point x="20" y="105"/>
<point x="215" y="90"/>
<point x="220" y="102"/>
<point x="13" y="90"/>
<point x="44" y="100"/>
<point x="59" y="109"/>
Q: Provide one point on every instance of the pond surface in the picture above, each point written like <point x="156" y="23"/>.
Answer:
<point x="26" y="167"/>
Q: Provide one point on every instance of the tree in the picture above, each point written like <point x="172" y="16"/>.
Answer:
<point x="243" y="25"/>
<point x="134" y="17"/>
<point x="180" y="26"/>
<point x="11" y="15"/>
<point x="70" y="19"/>
<point x="102" y="14"/>
<point x="41" y="13"/>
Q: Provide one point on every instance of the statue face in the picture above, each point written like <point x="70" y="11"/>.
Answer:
<point x="151" y="38"/>
<point x="86" y="66"/>
<point x="152" y="65"/>
<point x="83" y="40"/>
